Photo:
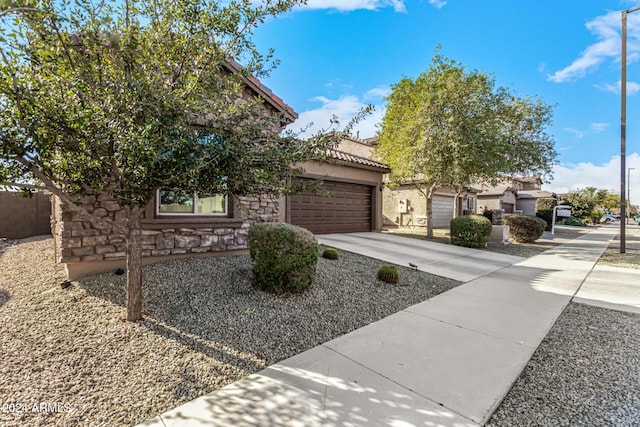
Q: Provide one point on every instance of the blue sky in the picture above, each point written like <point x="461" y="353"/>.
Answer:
<point x="338" y="55"/>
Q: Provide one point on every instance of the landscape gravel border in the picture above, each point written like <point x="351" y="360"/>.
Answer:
<point x="66" y="351"/>
<point x="586" y="372"/>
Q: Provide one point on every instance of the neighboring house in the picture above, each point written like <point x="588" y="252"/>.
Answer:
<point x="529" y="191"/>
<point x="406" y="206"/>
<point x="175" y="227"/>
<point x="497" y="197"/>
<point x="514" y="195"/>
<point x="527" y="200"/>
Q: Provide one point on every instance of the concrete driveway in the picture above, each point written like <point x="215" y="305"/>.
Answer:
<point x="454" y="262"/>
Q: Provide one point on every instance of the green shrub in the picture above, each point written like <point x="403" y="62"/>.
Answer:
<point x="525" y="228"/>
<point x="330" y="253"/>
<point x="285" y="257"/>
<point x="574" y="221"/>
<point x="471" y="231"/>
<point x="388" y="274"/>
<point x="544" y="209"/>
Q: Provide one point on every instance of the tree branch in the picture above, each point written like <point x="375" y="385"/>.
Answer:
<point x="50" y="186"/>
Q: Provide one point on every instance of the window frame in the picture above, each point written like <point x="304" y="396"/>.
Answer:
<point x="192" y="214"/>
<point x="468" y="200"/>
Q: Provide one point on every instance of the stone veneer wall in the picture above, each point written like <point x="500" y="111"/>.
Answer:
<point x="78" y="240"/>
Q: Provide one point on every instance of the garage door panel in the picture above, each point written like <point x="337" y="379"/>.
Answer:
<point x="346" y="208"/>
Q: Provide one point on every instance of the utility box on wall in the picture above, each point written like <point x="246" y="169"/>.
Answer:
<point x="403" y="206"/>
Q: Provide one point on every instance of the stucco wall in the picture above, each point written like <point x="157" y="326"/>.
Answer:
<point x="442" y="206"/>
<point x="496" y="202"/>
<point x="22" y="217"/>
<point x="356" y="147"/>
<point x="527" y="206"/>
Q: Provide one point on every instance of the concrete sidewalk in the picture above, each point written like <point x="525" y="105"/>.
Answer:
<point x="448" y="361"/>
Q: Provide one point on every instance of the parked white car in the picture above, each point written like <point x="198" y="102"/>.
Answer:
<point x="609" y="217"/>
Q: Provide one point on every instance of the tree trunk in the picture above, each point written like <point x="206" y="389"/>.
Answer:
<point x="134" y="265"/>
<point x="430" y="191"/>
<point x="456" y="201"/>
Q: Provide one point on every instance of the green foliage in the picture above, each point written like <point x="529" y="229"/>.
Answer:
<point x="125" y="97"/>
<point x="471" y="231"/>
<point x="450" y="127"/>
<point x="126" y="83"/>
<point x="525" y="228"/>
<point x="594" y="217"/>
<point x="388" y="274"/>
<point x="330" y="253"/>
<point x="544" y="210"/>
<point x="583" y="201"/>
<point x="285" y="257"/>
<point x="577" y="222"/>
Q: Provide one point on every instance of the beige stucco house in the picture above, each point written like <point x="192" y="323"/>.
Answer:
<point x="514" y="195"/>
<point x="497" y="197"/>
<point x="204" y="226"/>
<point x="406" y="206"/>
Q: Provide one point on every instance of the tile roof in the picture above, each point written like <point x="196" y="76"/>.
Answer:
<point x="262" y="90"/>
<point x="352" y="158"/>
<point x="535" y="194"/>
<point x="495" y="190"/>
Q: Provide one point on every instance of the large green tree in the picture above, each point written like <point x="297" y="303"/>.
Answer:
<point x="127" y="96"/>
<point x="451" y="127"/>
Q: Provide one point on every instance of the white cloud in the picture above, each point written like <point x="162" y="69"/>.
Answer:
<point x="377" y="93"/>
<point x="344" y="108"/>
<point x="437" y="3"/>
<point x="632" y="87"/>
<point x="606" y="176"/>
<point x="348" y="5"/>
<point x="592" y="129"/>
<point x="606" y="28"/>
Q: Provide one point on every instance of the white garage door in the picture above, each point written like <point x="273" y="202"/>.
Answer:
<point x="442" y="209"/>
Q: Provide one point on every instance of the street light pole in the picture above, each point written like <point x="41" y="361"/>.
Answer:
<point x="623" y="130"/>
<point x="628" y="193"/>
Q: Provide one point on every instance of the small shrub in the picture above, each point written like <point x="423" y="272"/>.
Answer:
<point x="388" y="274"/>
<point x="544" y="209"/>
<point x="575" y="221"/>
<point x="285" y="257"/>
<point x="525" y="228"/>
<point x="471" y="231"/>
<point x="330" y="253"/>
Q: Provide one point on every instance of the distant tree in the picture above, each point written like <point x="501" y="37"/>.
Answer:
<point x="124" y="97"/>
<point x="451" y="127"/>
<point x="610" y="201"/>
<point x="584" y="200"/>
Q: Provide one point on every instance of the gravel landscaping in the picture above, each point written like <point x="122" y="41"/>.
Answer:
<point x="586" y="372"/>
<point x="68" y="359"/>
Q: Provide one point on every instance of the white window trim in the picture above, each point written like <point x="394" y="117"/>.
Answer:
<point x="195" y="203"/>
<point x="472" y="201"/>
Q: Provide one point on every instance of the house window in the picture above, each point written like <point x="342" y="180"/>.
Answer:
<point x="469" y="203"/>
<point x="177" y="202"/>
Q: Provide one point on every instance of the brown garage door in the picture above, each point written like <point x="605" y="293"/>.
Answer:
<point x="346" y="209"/>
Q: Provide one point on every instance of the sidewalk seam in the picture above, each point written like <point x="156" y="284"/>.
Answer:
<point x="400" y="385"/>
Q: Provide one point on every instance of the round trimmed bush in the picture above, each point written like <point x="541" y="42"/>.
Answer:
<point x="525" y="228"/>
<point x="389" y="274"/>
<point x="285" y="257"/>
<point x="330" y="253"/>
<point x="574" y="221"/>
<point x="471" y="231"/>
